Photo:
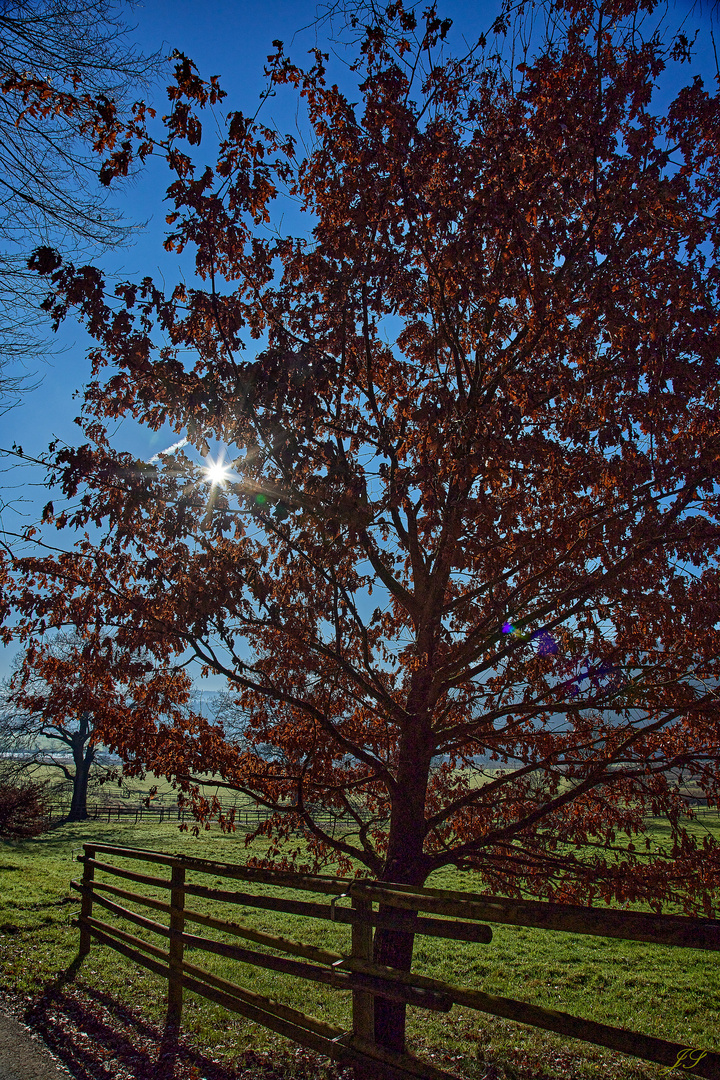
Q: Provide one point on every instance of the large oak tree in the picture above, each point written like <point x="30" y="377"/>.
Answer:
<point x="472" y="512"/>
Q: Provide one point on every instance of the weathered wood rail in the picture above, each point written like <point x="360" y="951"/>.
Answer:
<point x="433" y="912"/>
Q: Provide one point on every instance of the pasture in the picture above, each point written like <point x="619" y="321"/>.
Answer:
<point x="658" y="990"/>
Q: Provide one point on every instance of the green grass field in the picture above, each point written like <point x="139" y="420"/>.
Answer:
<point x="657" y="990"/>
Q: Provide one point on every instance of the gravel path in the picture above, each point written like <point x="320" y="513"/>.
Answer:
<point x="23" y="1056"/>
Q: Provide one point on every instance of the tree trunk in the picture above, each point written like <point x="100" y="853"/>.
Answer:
<point x="406" y="864"/>
<point x="83" y="756"/>
<point x="78" y="806"/>
<point x="394" y="949"/>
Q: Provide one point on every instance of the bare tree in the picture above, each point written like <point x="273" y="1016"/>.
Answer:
<point x="34" y="741"/>
<point x="58" y="59"/>
<point x="65" y="687"/>
<point x="52" y="735"/>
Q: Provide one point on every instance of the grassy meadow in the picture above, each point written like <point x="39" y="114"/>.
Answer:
<point x="658" y="990"/>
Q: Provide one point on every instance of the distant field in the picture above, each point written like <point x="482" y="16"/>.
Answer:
<point x="129" y="789"/>
<point x="131" y="794"/>
<point x="674" y="993"/>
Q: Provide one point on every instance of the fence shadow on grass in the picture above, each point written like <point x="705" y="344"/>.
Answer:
<point x="95" y="1036"/>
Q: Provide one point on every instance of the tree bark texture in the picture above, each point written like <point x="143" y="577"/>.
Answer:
<point x="83" y="757"/>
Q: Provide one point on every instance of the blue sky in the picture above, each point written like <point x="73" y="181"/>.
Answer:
<point x="230" y="40"/>
<point x="227" y="39"/>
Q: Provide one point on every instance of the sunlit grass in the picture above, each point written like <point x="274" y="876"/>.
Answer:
<point x="657" y="990"/>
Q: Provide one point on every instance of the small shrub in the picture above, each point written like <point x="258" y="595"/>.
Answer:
<point x="23" y="809"/>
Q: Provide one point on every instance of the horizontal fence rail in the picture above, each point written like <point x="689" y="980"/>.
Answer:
<point x="245" y="815"/>
<point x="432" y="912"/>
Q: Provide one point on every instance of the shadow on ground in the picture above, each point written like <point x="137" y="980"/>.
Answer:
<point x="98" y="1038"/>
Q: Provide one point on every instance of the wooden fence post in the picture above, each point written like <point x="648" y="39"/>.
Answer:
<point x="176" y="949"/>
<point x="362" y="949"/>
<point x="86" y="904"/>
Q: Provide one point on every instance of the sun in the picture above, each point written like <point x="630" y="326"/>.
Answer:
<point x="217" y="473"/>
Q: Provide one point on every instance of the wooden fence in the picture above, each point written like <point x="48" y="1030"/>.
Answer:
<point x="452" y="915"/>
<point x="247" y="815"/>
<point x="116" y="811"/>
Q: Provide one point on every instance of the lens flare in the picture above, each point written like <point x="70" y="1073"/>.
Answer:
<point x="217" y="473"/>
<point x="599" y="675"/>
